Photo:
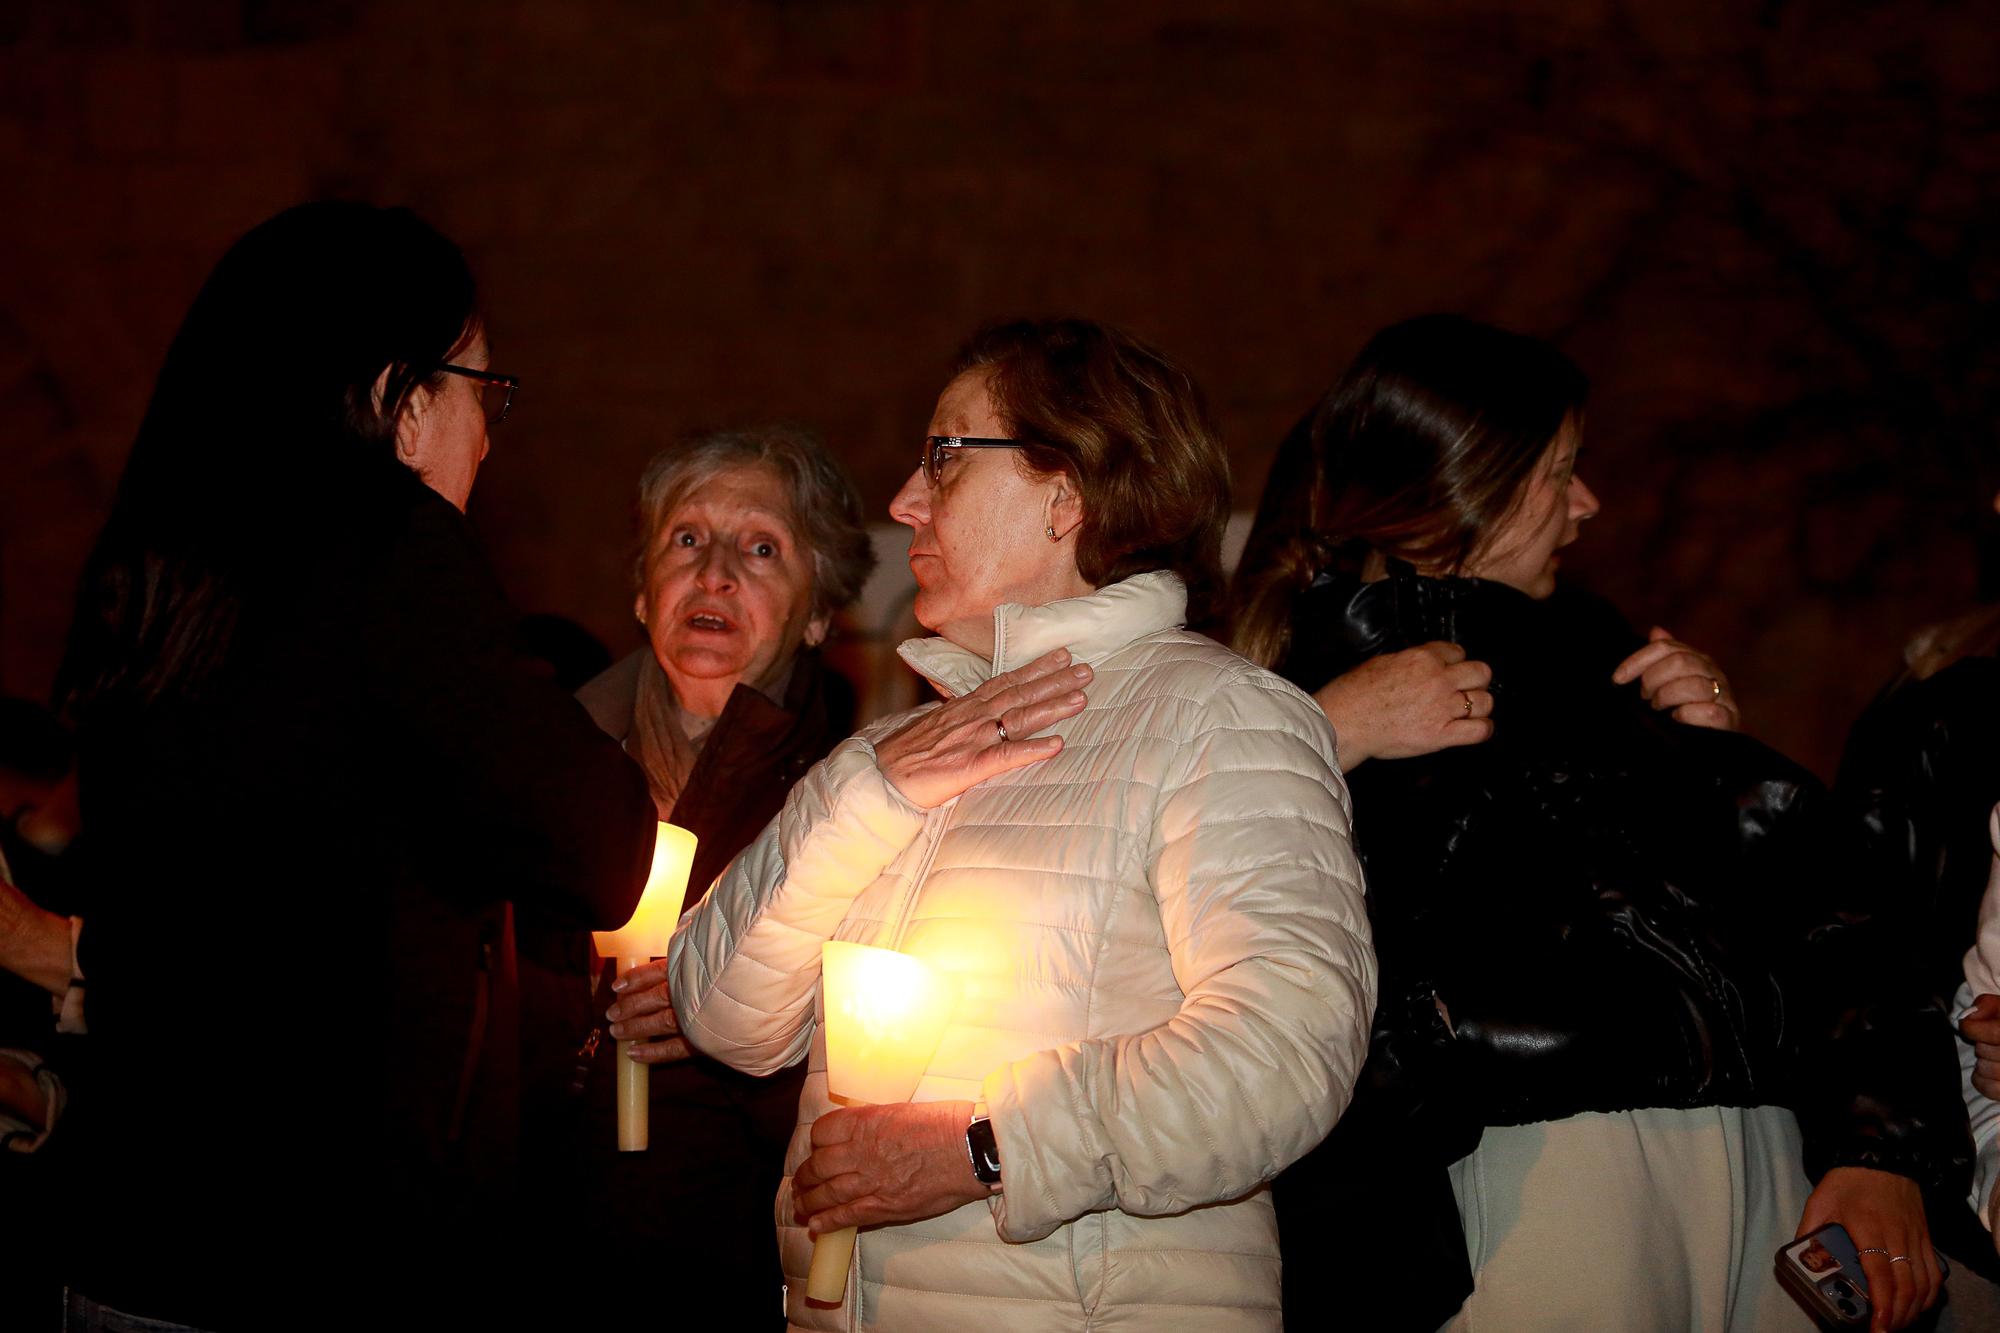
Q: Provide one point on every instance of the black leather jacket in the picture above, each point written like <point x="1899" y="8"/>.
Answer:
<point x="1922" y="772"/>
<point x="1616" y="911"/>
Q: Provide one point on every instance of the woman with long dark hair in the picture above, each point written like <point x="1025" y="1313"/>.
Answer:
<point x="313" y="772"/>
<point x="1628" y="993"/>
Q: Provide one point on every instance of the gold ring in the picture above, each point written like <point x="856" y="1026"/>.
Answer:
<point x="1468" y="701"/>
<point x="1003" y="729"/>
<point x="1714" y="689"/>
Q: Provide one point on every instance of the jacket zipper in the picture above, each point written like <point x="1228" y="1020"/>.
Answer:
<point x="908" y="903"/>
<point x="903" y="910"/>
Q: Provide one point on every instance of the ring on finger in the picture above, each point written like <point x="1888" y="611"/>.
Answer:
<point x="1002" y="726"/>
<point x="1893" y="1258"/>
<point x="1468" y="701"/>
<point x="1714" y="689"/>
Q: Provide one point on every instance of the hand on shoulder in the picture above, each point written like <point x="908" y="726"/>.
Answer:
<point x="940" y="753"/>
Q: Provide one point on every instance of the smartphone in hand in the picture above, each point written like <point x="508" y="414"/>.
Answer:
<point x="1822" y="1271"/>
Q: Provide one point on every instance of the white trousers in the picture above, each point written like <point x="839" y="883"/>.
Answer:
<point x="1647" y="1220"/>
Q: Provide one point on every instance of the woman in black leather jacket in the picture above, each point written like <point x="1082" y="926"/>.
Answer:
<point x="1628" y="993"/>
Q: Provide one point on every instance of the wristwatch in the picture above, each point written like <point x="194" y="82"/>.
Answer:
<point x="983" y="1149"/>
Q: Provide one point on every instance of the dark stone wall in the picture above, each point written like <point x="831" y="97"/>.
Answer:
<point x="1766" y="230"/>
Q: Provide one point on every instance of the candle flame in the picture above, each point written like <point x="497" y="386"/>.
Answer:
<point x="647" y="934"/>
<point x="885" y="1014"/>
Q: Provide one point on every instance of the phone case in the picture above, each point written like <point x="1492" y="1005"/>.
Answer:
<point x="1823" y="1273"/>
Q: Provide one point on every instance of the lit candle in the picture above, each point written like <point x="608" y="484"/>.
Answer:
<point x="885" y="1013"/>
<point x="645" y="937"/>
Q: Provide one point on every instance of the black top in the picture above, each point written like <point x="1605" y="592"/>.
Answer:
<point x="1617" y="911"/>
<point x="306" y="1094"/>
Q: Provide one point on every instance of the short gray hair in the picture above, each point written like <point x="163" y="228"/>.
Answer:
<point x="824" y="506"/>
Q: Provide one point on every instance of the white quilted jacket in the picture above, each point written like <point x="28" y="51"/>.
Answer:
<point x="1164" y="965"/>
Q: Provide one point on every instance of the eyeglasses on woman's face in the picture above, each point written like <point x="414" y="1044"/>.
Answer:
<point x="937" y="448"/>
<point x="496" y="392"/>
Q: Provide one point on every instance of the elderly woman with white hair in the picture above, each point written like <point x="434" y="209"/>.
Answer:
<point x="1127" y="844"/>
<point x="751" y="542"/>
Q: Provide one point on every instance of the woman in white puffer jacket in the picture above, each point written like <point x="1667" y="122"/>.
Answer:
<point x="1128" y="844"/>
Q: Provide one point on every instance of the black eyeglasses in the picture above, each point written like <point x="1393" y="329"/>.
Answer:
<point x="935" y="445"/>
<point x="492" y="388"/>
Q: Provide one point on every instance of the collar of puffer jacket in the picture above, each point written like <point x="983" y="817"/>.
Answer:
<point x="1092" y="627"/>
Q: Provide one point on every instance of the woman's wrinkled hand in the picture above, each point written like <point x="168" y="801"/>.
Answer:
<point x="1672" y="675"/>
<point x="644" y="1015"/>
<point x="1881" y="1212"/>
<point x="876" y="1164"/>
<point x="1409" y="703"/>
<point x="966" y="740"/>
<point x="1981" y="1027"/>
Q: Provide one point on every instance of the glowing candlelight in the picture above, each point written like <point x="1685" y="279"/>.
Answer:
<point x="645" y="937"/>
<point x="885" y="1013"/>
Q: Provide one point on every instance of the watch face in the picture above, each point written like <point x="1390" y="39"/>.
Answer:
<point x="984" y="1150"/>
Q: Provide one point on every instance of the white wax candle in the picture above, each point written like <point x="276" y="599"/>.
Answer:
<point x="635" y="1090"/>
<point x="646" y="936"/>
<point x="885" y="1014"/>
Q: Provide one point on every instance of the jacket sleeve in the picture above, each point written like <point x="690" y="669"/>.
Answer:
<point x="510" y="788"/>
<point x="1260" y="897"/>
<point x="1984" y="1114"/>
<point x="1873" y="1043"/>
<point x="1982" y="960"/>
<point x="745" y="960"/>
<point x="1982" y="977"/>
